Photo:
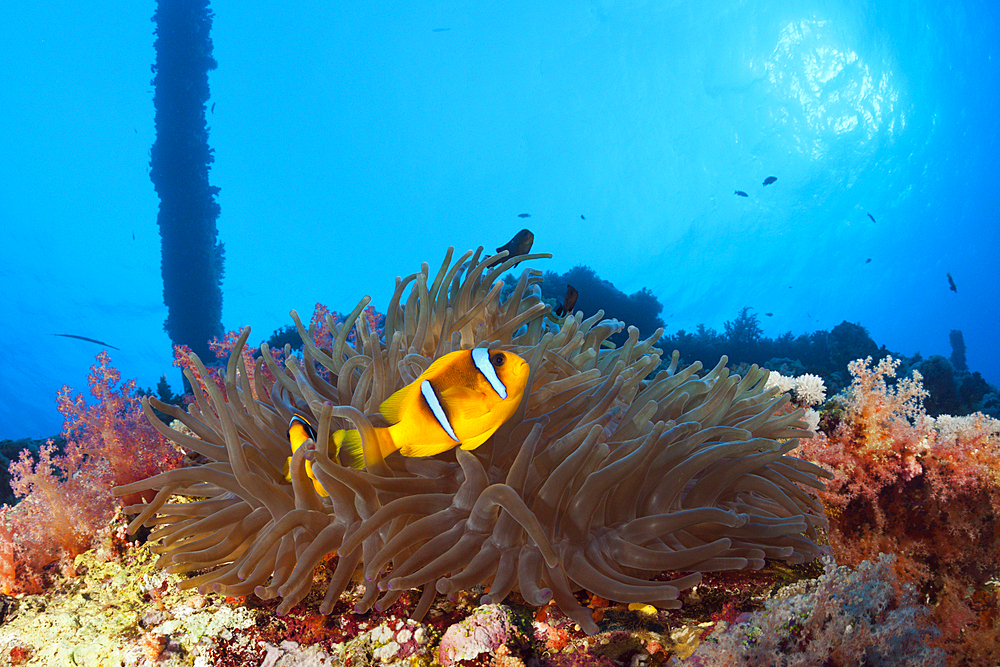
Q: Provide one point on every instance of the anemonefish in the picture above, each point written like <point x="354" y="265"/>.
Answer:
<point x="301" y="429"/>
<point x="519" y="245"/>
<point x="568" y="302"/>
<point x="460" y="400"/>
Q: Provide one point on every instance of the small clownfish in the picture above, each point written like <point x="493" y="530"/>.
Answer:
<point x="460" y="400"/>
<point x="301" y="429"/>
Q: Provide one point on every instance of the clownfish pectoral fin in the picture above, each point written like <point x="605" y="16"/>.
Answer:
<point x="465" y="402"/>
<point x="420" y="449"/>
<point x="349" y="442"/>
<point x="472" y="443"/>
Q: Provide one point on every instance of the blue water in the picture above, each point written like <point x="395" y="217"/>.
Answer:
<point x="354" y="141"/>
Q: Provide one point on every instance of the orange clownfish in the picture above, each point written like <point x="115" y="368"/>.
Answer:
<point x="301" y="429"/>
<point x="460" y="400"/>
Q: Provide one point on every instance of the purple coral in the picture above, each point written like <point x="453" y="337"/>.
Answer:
<point x="490" y="629"/>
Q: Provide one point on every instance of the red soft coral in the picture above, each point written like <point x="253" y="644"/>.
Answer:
<point x="927" y="490"/>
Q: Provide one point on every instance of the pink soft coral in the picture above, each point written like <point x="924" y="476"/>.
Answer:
<point x="319" y="329"/>
<point x="66" y="497"/>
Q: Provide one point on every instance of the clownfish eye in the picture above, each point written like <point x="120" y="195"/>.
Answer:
<point x="497" y="359"/>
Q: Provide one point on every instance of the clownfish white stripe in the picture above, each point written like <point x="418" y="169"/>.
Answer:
<point x="430" y="397"/>
<point x="481" y="358"/>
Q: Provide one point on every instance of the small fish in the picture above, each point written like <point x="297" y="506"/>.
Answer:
<point x="769" y="314"/>
<point x="568" y="302"/>
<point x="213" y="107"/>
<point x="770" y="179"/>
<point x="460" y="400"/>
<point x="89" y="340"/>
<point x="519" y="245"/>
<point x="301" y="429"/>
<point x="872" y="217"/>
<point x="642" y="608"/>
<point x="951" y="283"/>
<point x="581" y="217"/>
<point x="524" y="215"/>
<point x="741" y="193"/>
<point x="868" y="261"/>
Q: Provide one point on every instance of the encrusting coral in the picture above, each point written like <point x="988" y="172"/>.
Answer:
<point x="602" y="480"/>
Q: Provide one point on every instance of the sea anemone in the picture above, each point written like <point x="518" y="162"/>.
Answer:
<point x="602" y="480"/>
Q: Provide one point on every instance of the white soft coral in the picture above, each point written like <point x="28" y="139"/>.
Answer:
<point x="776" y="379"/>
<point x="810" y="389"/>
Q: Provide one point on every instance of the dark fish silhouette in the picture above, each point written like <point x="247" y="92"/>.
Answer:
<point x="769" y="314"/>
<point x="89" y="340"/>
<point x="440" y="29"/>
<point x="524" y="215"/>
<point x="569" y="301"/>
<point x="581" y="217"/>
<point x="872" y="217"/>
<point x="519" y="245"/>
<point x="770" y="179"/>
<point x="951" y="283"/>
<point x="868" y="261"/>
<point x="741" y="193"/>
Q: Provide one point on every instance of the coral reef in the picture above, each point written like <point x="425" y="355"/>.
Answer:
<point x="539" y="509"/>
<point x="116" y="609"/>
<point x="641" y="309"/>
<point x="925" y="489"/>
<point x="491" y="629"/>
<point x="822" y="353"/>
<point x="845" y="617"/>
<point x="952" y="391"/>
<point x="957" y="357"/>
<point x="952" y="387"/>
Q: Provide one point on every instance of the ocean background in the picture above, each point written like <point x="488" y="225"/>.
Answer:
<point x="354" y="141"/>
